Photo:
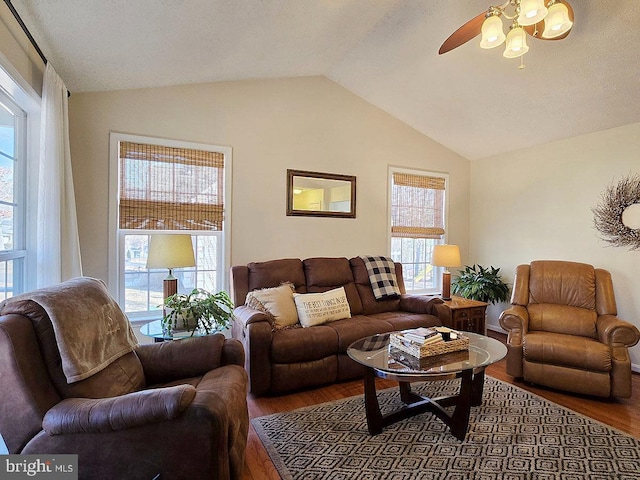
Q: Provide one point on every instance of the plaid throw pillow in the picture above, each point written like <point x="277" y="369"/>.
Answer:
<point x="382" y="275"/>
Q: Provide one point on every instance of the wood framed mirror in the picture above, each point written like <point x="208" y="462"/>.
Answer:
<point x="317" y="194"/>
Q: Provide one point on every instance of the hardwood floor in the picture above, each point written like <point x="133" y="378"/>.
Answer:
<point x="623" y="414"/>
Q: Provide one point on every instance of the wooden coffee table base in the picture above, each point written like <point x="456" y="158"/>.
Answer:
<point x="470" y="395"/>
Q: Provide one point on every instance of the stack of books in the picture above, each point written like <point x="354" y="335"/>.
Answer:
<point x="421" y="335"/>
<point x="426" y="342"/>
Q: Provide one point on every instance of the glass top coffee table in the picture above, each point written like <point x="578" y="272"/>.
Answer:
<point x="384" y="361"/>
<point x="154" y="330"/>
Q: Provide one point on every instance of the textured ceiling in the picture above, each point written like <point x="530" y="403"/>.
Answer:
<point x="473" y="101"/>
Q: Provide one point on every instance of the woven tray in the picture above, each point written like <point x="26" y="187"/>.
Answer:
<point x="429" y="350"/>
<point x="405" y="360"/>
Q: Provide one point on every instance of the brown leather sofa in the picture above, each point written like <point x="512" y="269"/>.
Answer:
<point x="184" y="416"/>
<point x="295" y="358"/>
<point x="563" y="331"/>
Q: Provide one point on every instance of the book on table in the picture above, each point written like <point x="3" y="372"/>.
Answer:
<point x="423" y="342"/>
<point x="427" y="335"/>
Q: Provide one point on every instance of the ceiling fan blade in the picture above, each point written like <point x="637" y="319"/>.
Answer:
<point x="462" y="35"/>
<point x="536" y="29"/>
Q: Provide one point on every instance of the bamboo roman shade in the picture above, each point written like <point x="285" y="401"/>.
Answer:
<point x="417" y="206"/>
<point x="166" y="188"/>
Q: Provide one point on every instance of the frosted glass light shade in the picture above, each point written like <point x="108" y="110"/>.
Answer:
<point x="492" y="33"/>
<point x="516" y="43"/>
<point x="557" y="22"/>
<point x="446" y="256"/>
<point x="170" y="251"/>
<point x="531" y="12"/>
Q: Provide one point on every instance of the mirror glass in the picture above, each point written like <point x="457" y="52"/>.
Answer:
<point x="321" y="194"/>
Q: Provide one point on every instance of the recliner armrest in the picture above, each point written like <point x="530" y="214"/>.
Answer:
<point x="99" y="415"/>
<point x="190" y="357"/>
<point x="515" y="320"/>
<point x="612" y="330"/>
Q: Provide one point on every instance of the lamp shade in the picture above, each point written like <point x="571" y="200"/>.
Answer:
<point x="446" y="256"/>
<point x="516" y="43"/>
<point x="557" y="22"/>
<point x="492" y="33"/>
<point x="170" y="251"/>
<point x="531" y="12"/>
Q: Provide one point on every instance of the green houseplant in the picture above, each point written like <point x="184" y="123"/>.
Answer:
<point x="197" y="310"/>
<point x="480" y="283"/>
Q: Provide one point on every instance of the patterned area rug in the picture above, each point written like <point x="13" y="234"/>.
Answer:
<point x="514" y="435"/>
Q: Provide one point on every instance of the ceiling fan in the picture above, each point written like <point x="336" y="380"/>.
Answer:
<point x="542" y="19"/>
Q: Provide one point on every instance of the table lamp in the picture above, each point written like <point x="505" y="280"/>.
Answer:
<point x="170" y="251"/>
<point x="446" y="256"/>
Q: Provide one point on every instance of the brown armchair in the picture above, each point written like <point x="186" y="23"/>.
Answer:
<point x="177" y="409"/>
<point x="563" y="331"/>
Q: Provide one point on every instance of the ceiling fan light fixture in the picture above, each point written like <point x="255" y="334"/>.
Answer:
<point x="531" y="12"/>
<point x="557" y="22"/>
<point x="541" y="19"/>
<point x="492" y="32"/>
<point x="516" y="43"/>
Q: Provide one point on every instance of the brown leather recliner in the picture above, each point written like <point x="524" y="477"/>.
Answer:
<point x="177" y="409"/>
<point x="563" y="331"/>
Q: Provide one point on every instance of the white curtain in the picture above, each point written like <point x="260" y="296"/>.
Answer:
<point x="58" y="245"/>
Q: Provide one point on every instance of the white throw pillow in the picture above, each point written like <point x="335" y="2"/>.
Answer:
<point x="277" y="302"/>
<point x="318" y="308"/>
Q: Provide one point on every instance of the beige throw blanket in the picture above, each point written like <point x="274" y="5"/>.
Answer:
<point x="90" y="328"/>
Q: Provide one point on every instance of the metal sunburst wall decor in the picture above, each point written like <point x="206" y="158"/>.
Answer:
<point x="617" y="216"/>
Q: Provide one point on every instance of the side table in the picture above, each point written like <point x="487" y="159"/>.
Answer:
<point x="465" y="314"/>
<point x="154" y="330"/>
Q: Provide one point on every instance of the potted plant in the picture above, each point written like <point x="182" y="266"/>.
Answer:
<point x="198" y="310"/>
<point x="480" y="283"/>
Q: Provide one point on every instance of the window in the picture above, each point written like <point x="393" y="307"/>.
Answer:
<point x="12" y="198"/>
<point x="164" y="186"/>
<point x="417" y="218"/>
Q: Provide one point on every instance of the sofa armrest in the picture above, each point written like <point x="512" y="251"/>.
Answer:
<point x="99" y="415"/>
<point x="443" y="313"/>
<point x="515" y="320"/>
<point x="419" y="303"/>
<point x="190" y="357"/>
<point x="611" y="330"/>
<point x="245" y="315"/>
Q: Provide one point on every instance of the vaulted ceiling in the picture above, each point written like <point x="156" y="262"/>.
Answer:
<point x="471" y="100"/>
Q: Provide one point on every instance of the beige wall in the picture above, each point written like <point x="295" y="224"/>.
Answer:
<point x="306" y="123"/>
<point x="536" y="204"/>
<point x="17" y="49"/>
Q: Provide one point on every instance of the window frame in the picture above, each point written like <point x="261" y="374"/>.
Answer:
<point x="437" y="289"/>
<point x="20" y="93"/>
<point x="116" y="235"/>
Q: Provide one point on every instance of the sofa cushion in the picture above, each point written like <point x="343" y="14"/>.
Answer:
<point x="324" y="274"/>
<point x="406" y="320"/>
<point x="277" y="302"/>
<point x="369" y="302"/>
<point x="274" y="272"/>
<point x="318" y="308"/>
<point x="303" y="344"/>
<point x="351" y="329"/>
